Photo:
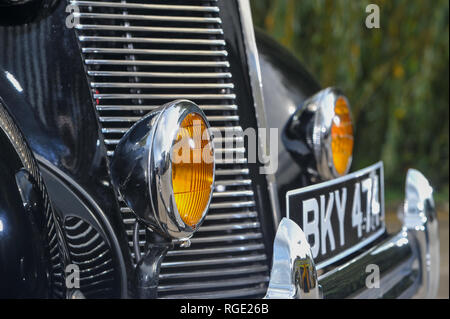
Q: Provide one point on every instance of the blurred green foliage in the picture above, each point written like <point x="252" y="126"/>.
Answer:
<point x="396" y="77"/>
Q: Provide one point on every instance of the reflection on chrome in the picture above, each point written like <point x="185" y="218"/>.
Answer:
<point x="293" y="273"/>
<point x="14" y="82"/>
<point x="420" y="218"/>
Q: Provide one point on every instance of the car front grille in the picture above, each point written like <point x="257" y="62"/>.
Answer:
<point x="142" y="54"/>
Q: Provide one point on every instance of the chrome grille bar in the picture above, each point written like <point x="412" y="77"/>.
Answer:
<point x="150" y="40"/>
<point x="148" y="29"/>
<point x="254" y="291"/>
<point x="142" y="54"/>
<point x="216" y="273"/>
<point x="155" y="52"/>
<point x="146" y="17"/>
<point x="144" y="6"/>
<point x="214" y="284"/>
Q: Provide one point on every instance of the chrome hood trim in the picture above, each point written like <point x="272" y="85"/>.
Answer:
<point x="258" y="98"/>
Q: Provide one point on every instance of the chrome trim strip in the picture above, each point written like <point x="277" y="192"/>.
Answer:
<point x="167" y="96"/>
<point x="215" y="261"/>
<point x="240" y="215"/>
<point x="213" y="239"/>
<point x="147" y="29"/>
<point x="162" y="85"/>
<point x="216" y="283"/>
<point x="236" y="129"/>
<point x="235" y="293"/>
<point x="233" y="193"/>
<point x="145" y="17"/>
<point x="232" y="204"/>
<point x="130" y="119"/>
<point x="237" y="182"/>
<point x="232" y="161"/>
<point x="139" y="107"/>
<point x="216" y="272"/>
<point x="159" y="63"/>
<point x="240" y="150"/>
<point x="219" y="238"/>
<point x="215" y="228"/>
<point x="143" y="6"/>
<point x="160" y="74"/>
<point x="226" y="226"/>
<point x="226" y="118"/>
<point x="256" y="84"/>
<point x="156" y="51"/>
<point x="234" y="139"/>
<point x="216" y="250"/>
<point x="219" y="107"/>
<point x="224" y="172"/>
<point x="223" y="118"/>
<point x="84" y="38"/>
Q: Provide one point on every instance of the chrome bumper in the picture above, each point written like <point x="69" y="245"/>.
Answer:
<point x="408" y="262"/>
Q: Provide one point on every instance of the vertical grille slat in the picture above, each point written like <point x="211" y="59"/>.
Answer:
<point x="142" y="54"/>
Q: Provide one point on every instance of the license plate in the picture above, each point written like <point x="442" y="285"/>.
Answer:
<point x="340" y="216"/>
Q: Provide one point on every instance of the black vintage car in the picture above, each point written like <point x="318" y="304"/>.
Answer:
<point x="98" y="99"/>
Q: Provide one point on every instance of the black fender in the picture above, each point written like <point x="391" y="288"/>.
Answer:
<point x="44" y="86"/>
<point x="59" y="165"/>
<point x="31" y="254"/>
<point x="286" y="85"/>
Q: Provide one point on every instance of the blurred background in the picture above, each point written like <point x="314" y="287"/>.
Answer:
<point x="396" y="78"/>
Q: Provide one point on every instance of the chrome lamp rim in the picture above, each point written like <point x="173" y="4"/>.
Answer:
<point x="323" y="105"/>
<point x="141" y="169"/>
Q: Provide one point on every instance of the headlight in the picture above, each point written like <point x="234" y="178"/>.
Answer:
<point x="320" y="134"/>
<point x="163" y="168"/>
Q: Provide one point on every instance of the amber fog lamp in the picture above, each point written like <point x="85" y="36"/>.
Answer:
<point x="192" y="169"/>
<point x="163" y="168"/>
<point x="320" y="135"/>
<point x="341" y="136"/>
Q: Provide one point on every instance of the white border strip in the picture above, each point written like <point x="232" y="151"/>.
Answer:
<point x="336" y="180"/>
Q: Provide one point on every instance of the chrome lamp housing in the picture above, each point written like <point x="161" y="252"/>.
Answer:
<point x="141" y="169"/>
<point x="308" y="134"/>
